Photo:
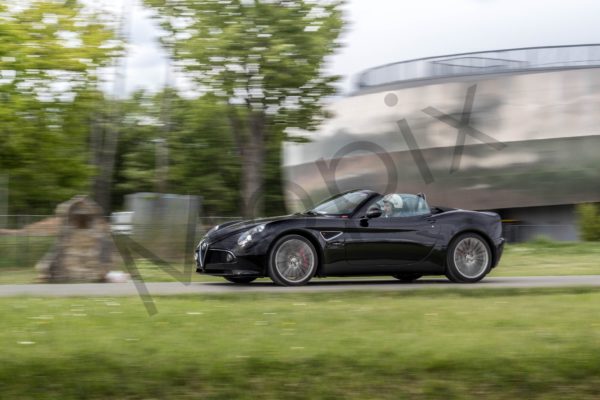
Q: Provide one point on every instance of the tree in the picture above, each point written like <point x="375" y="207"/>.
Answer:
<point x="264" y="60"/>
<point x="199" y="144"/>
<point x="49" y="52"/>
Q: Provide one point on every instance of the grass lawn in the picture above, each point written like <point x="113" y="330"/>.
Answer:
<point x="524" y="259"/>
<point x="550" y="258"/>
<point x="502" y="344"/>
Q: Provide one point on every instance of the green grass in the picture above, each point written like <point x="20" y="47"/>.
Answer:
<point x="17" y="276"/>
<point x="150" y="273"/>
<point x="550" y="258"/>
<point x="501" y="344"/>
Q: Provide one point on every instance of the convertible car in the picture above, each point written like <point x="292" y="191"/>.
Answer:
<point x="359" y="232"/>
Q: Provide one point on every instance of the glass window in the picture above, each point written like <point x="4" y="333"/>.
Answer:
<point x="344" y="203"/>
<point x="402" y="205"/>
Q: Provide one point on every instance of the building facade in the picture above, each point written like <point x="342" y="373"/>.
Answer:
<point x="514" y="131"/>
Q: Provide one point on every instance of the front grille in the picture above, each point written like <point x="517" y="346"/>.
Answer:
<point x="202" y="250"/>
<point x="215" y="256"/>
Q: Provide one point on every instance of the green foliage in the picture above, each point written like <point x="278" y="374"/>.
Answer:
<point x="48" y="52"/>
<point x="43" y="152"/>
<point x="49" y="39"/>
<point x="266" y="56"/>
<point x="203" y="160"/>
<point x="589" y="221"/>
<point x="265" y="61"/>
<point x="260" y="63"/>
<point x="200" y="147"/>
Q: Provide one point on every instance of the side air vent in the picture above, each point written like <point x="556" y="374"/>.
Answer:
<point x="330" y="235"/>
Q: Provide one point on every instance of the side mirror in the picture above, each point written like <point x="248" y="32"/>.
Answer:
<point x="374" y="212"/>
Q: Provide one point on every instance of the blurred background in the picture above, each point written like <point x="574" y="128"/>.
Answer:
<point x="225" y="108"/>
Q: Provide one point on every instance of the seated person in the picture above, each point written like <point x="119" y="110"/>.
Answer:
<point x="392" y="205"/>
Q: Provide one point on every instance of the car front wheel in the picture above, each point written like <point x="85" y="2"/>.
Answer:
<point x="292" y="261"/>
<point x="469" y="258"/>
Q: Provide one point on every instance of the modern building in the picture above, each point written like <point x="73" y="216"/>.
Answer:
<point x="515" y="131"/>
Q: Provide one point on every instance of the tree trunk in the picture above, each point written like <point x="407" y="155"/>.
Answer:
<point x="162" y="165"/>
<point x="104" y="143"/>
<point x="253" y="160"/>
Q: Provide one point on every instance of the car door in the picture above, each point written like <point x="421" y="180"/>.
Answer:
<point x="382" y="245"/>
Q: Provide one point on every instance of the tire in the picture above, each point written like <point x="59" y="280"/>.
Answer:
<point x="468" y="258"/>
<point x="293" y="261"/>
<point x="407" y="277"/>
<point x="240" y="279"/>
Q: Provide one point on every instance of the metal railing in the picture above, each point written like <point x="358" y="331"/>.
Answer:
<point x="481" y="63"/>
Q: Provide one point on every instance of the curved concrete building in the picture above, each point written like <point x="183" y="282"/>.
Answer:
<point x="514" y="131"/>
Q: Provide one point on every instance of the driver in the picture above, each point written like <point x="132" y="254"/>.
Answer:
<point x="392" y="204"/>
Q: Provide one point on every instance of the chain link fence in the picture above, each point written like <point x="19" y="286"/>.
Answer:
<point x="26" y="238"/>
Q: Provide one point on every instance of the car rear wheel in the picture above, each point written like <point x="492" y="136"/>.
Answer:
<point x="469" y="258"/>
<point x="407" y="277"/>
<point x="292" y="261"/>
<point x="240" y="279"/>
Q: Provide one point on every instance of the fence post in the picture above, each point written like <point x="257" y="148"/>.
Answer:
<point x="3" y="201"/>
<point x="26" y="251"/>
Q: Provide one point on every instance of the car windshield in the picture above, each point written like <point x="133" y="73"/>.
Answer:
<point x="340" y="204"/>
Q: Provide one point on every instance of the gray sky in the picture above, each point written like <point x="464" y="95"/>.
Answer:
<point x="384" y="31"/>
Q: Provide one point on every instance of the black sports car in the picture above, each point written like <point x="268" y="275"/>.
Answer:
<point x="360" y="232"/>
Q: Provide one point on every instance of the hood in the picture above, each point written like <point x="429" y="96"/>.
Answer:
<point x="237" y="227"/>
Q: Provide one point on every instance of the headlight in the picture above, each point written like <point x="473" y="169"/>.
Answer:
<point x="247" y="236"/>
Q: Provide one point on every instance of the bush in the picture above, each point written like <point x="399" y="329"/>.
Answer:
<point x="589" y="221"/>
<point x="542" y="240"/>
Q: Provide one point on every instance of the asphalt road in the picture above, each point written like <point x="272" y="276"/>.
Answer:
<point x="318" y="285"/>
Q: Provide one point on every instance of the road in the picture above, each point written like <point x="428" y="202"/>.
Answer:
<point x="324" y="285"/>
